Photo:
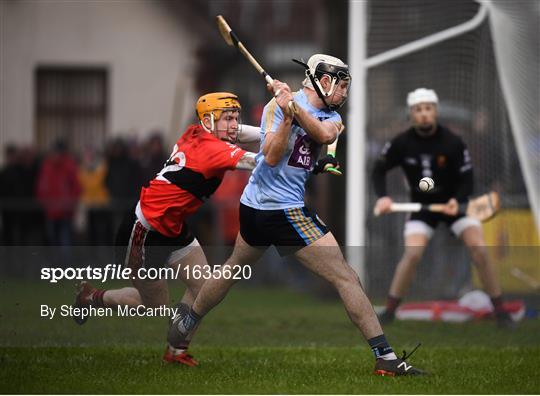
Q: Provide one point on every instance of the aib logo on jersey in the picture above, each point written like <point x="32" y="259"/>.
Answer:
<point x="304" y="153"/>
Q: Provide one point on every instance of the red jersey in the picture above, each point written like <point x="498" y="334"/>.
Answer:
<point x="193" y="172"/>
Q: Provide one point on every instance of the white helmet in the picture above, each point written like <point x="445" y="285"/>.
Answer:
<point x="319" y="65"/>
<point x="422" y="95"/>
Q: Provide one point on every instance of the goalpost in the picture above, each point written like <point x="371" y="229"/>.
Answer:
<point x="515" y="27"/>
<point x="458" y="62"/>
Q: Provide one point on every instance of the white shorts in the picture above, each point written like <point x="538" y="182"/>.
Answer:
<point x="179" y="254"/>
<point x="419" y="227"/>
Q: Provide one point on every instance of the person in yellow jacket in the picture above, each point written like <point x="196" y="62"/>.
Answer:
<point x="95" y="198"/>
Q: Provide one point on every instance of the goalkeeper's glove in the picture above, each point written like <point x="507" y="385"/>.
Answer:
<point x="321" y="164"/>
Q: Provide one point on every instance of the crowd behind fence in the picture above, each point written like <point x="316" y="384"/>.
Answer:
<point x="62" y="198"/>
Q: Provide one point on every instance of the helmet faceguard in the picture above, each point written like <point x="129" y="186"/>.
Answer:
<point x="320" y="65"/>
<point x="213" y="105"/>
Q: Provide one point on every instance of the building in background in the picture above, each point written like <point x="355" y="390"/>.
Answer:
<point x="87" y="70"/>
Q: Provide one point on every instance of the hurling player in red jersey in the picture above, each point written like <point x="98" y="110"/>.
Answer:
<point x="155" y="233"/>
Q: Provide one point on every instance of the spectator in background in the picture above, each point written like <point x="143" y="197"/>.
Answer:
<point x="32" y="216"/>
<point x="10" y="195"/>
<point x="153" y="157"/>
<point x="58" y="191"/>
<point x="95" y="197"/>
<point x="123" y="179"/>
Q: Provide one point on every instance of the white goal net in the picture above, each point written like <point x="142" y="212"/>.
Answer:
<point x="488" y="86"/>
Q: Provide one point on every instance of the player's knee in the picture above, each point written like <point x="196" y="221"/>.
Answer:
<point x="478" y="255"/>
<point x="413" y="256"/>
<point x="345" y="279"/>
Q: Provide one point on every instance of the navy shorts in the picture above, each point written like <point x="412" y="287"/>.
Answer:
<point x="287" y="229"/>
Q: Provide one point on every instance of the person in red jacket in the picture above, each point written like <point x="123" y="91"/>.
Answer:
<point x="58" y="191"/>
<point x="154" y="234"/>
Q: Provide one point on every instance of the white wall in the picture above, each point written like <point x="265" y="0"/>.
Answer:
<point x="148" y="54"/>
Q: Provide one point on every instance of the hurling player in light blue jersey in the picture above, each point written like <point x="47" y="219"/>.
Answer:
<point x="282" y="185"/>
<point x="272" y="210"/>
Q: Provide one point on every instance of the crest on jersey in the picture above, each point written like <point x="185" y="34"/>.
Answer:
<point x="441" y="161"/>
<point x="304" y="153"/>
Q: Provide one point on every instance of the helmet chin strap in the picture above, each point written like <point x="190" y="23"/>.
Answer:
<point x="212" y="124"/>
<point x="332" y="86"/>
<point x="317" y="86"/>
<point x="319" y="89"/>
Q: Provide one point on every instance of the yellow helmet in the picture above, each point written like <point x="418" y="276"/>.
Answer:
<point x="215" y="103"/>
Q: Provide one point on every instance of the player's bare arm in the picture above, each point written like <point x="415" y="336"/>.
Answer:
<point x="247" y="162"/>
<point x="451" y="208"/>
<point x="275" y="143"/>
<point x="383" y="205"/>
<point x="323" y="132"/>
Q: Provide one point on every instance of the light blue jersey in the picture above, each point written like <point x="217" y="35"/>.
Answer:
<point x="283" y="186"/>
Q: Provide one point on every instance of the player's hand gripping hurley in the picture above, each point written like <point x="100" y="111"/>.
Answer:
<point x="482" y="208"/>
<point x="232" y="39"/>
<point x="332" y="152"/>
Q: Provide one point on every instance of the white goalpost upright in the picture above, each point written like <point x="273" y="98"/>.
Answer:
<point x="356" y="139"/>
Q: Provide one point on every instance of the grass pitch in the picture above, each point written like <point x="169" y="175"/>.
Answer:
<point x="256" y="341"/>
